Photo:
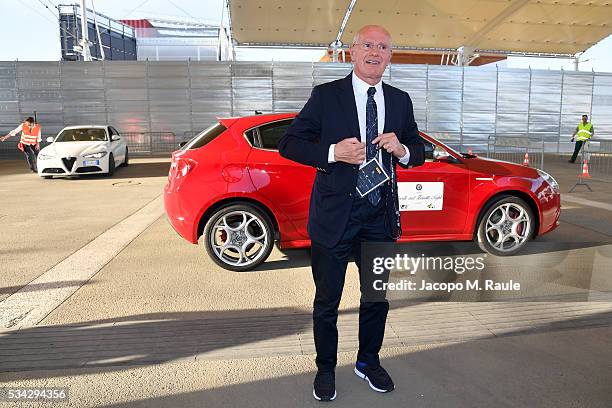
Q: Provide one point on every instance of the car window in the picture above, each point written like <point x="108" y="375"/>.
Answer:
<point x="113" y="131"/>
<point x="205" y="136"/>
<point x="253" y="137"/>
<point x="82" y="135"/>
<point x="271" y="133"/>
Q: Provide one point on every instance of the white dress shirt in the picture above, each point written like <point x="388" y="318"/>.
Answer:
<point x="360" y="89"/>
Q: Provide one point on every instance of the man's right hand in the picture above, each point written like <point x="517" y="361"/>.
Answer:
<point x="350" y="150"/>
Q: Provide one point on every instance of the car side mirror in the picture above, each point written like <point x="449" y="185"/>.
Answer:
<point x="440" y="154"/>
<point x="429" y="148"/>
<point x="50" y="139"/>
<point x="182" y="144"/>
<point x="115" y="138"/>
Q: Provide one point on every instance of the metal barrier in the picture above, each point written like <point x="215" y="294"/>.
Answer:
<point x="465" y="103"/>
<point x="599" y="157"/>
<point x="139" y="143"/>
<point x="150" y="143"/>
<point x="514" y="148"/>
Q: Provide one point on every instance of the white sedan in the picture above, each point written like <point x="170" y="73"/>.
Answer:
<point x="83" y="150"/>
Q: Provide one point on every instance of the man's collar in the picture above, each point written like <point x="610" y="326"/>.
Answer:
<point x="361" y="86"/>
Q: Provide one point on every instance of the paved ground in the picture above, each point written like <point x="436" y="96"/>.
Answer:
<point x="54" y="218"/>
<point x="151" y="321"/>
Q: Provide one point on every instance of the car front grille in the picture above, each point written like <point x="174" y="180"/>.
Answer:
<point x="88" y="169"/>
<point x="68" y="162"/>
<point x="53" y="170"/>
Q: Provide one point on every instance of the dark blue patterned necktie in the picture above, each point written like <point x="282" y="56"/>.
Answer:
<point x="371" y="133"/>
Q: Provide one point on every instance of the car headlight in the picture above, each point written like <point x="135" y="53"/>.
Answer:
<point x="550" y="180"/>
<point x="45" y="156"/>
<point x="94" y="155"/>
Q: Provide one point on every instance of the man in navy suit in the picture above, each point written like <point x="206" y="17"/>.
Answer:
<point x="345" y="124"/>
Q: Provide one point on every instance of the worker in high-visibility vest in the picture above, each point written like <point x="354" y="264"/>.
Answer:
<point x="29" y="143"/>
<point x="584" y="131"/>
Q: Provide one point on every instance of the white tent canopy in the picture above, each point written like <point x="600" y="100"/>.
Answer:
<point x="528" y="26"/>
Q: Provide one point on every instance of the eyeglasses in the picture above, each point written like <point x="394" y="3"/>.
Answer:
<point x="366" y="46"/>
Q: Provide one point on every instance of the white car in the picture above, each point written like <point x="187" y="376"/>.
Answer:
<point x="83" y="150"/>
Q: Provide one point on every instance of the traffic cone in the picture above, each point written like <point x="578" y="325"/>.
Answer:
<point x="526" y="160"/>
<point x="585" y="169"/>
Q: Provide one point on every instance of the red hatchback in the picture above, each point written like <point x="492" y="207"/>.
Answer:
<point x="230" y="186"/>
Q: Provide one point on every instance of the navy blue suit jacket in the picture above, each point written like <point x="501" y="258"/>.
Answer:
<point x="329" y="116"/>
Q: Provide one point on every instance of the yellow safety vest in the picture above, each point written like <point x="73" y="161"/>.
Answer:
<point x="584" y="132"/>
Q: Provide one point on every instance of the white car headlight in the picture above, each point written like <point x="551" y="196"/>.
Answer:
<point x="550" y="179"/>
<point x="94" y="155"/>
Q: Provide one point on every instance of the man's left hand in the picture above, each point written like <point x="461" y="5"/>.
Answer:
<point x="391" y="144"/>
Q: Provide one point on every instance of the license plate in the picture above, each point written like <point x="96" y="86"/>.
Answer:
<point x="91" y="163"/>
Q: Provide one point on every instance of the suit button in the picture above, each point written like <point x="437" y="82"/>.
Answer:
<point x="350" y="194"/>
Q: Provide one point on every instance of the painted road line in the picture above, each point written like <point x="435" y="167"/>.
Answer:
<point x="589" y="203"/>
<point x="28" y="307"/>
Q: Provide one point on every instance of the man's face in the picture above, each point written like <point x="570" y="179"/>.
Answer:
<point x="585" y="119"/>
<point x="369" y="65"/>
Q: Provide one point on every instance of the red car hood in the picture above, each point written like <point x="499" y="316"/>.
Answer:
<point x="500" y="168"/>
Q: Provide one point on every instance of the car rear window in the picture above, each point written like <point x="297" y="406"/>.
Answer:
<point x="205" y="136"/>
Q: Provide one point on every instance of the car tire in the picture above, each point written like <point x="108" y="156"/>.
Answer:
<point x="111" y="165"/>
<point x="506" y="226"/>
<point x="126" y="161"/>
<point x="236" y="225"/>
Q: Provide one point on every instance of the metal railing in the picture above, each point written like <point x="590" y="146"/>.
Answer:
<point x="139" y="143"/>
<point x="465" y="103"/>
<point x="599" y="158"/>
<point x="515" y="148"/>
<point x="150" y="143"/>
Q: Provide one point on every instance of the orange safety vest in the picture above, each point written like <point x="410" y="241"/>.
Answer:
<point x="29" y="135"/>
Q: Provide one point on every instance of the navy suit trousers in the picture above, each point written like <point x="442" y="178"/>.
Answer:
<point x="366" y="224"/>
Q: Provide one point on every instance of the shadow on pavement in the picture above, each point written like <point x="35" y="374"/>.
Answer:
<point x="294" y="258"/>
<point x="542" y="368"/>
<point x="151" y="338"/>
<point x="143" y="339"/>
<point x="33" y="287"/>
<point x="134" y="170"/>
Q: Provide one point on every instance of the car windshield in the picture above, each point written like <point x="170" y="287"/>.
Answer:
<point x="82" y="135"/>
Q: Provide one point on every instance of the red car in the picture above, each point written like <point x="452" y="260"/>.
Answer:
<point x="230" y="186"/>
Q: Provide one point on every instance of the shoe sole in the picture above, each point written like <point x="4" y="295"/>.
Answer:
<point x="365" y="378"/>
<point x="314" y="394"/>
